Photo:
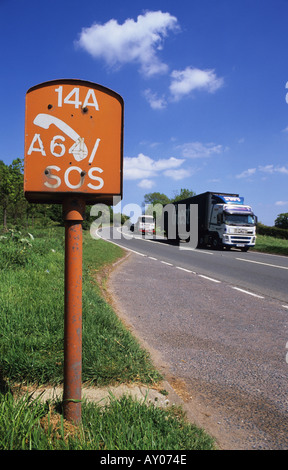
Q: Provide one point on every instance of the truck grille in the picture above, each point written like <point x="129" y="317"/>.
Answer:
<point x="237" y="239"/>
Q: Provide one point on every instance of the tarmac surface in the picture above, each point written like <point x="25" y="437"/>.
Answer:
<point x="222" y="354"/>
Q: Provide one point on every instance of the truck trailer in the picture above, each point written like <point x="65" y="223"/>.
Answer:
<point x="223" y="220"/>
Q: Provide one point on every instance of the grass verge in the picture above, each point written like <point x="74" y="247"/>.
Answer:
<point x="272" y="245"/>
<point x="32" y="322"/>
<point x="125" y="424"/>
<point x="31" y="352"/>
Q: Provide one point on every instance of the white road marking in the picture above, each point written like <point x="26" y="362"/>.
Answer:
<point x="165" y="262"/>
<point x="265" y="264"/>
<point x="247" y="292"/>
<point x="182" y="248"/>
<point x="209" y="278"/>
<point x="186" y="270"/>
<point x="136" y="252"/>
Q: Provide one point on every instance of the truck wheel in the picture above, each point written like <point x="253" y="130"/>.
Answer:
<point x="200" y="242"/>
<point x="245" y="249"/>
<point x="216" y="243"/>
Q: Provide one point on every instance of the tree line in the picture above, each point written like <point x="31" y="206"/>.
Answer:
<point x="160" y="198"/>
<point x="15" y="210"/>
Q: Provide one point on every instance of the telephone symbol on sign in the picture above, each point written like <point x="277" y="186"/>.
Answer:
<point x="79" y="148"/>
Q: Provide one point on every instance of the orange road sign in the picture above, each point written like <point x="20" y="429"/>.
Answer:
<point x="73" y="142"/>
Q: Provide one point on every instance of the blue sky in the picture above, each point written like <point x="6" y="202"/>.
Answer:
<point x="203" y="82"/>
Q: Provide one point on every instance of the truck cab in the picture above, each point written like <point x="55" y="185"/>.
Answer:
<point x="232" y="224"/>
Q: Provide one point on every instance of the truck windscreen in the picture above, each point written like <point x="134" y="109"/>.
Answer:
<point x="239" y="219"/>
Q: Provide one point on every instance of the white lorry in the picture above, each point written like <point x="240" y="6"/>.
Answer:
<point x="144" y="225"/>
<point x="223" y="220"/>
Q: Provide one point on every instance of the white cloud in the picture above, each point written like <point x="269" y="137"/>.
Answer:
<point x="140" y="41"/>
<point x="199" y="150"/>
<point x="247" y="173"/>
<point x="185" y="81"/>
<point x="177" y="174"/>
<point x="267" y="169"/>
<point x="146" y="184"/>
<point x="274" y="169"/>
<point x="281" y="203"/>
<point x="282" y="169"/>
<point x="155" y="101"/>
<point x="131" y="42"/>
<point x="144" y="167"/>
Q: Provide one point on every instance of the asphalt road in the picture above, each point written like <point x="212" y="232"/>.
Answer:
<point x="258" y="273"/>
<point x="216" y="325"/>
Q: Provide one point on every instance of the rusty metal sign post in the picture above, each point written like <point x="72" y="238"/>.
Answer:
<point x="73" y="214"/>
<point x="73" y="157"/>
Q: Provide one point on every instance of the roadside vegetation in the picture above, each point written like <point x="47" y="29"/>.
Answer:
<point x="126" y="424"/>
<point x="32" y="302"/>
<point x="273" y="240"/>
<point x="273" y="245"/>
<point x="31" y="353"/>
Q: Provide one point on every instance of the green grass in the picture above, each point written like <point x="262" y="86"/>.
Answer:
<point x="32" y="316"/>
<point x="125" y="424"/>
<point x="273" y="245"/>
<point x="31" y="352"/>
